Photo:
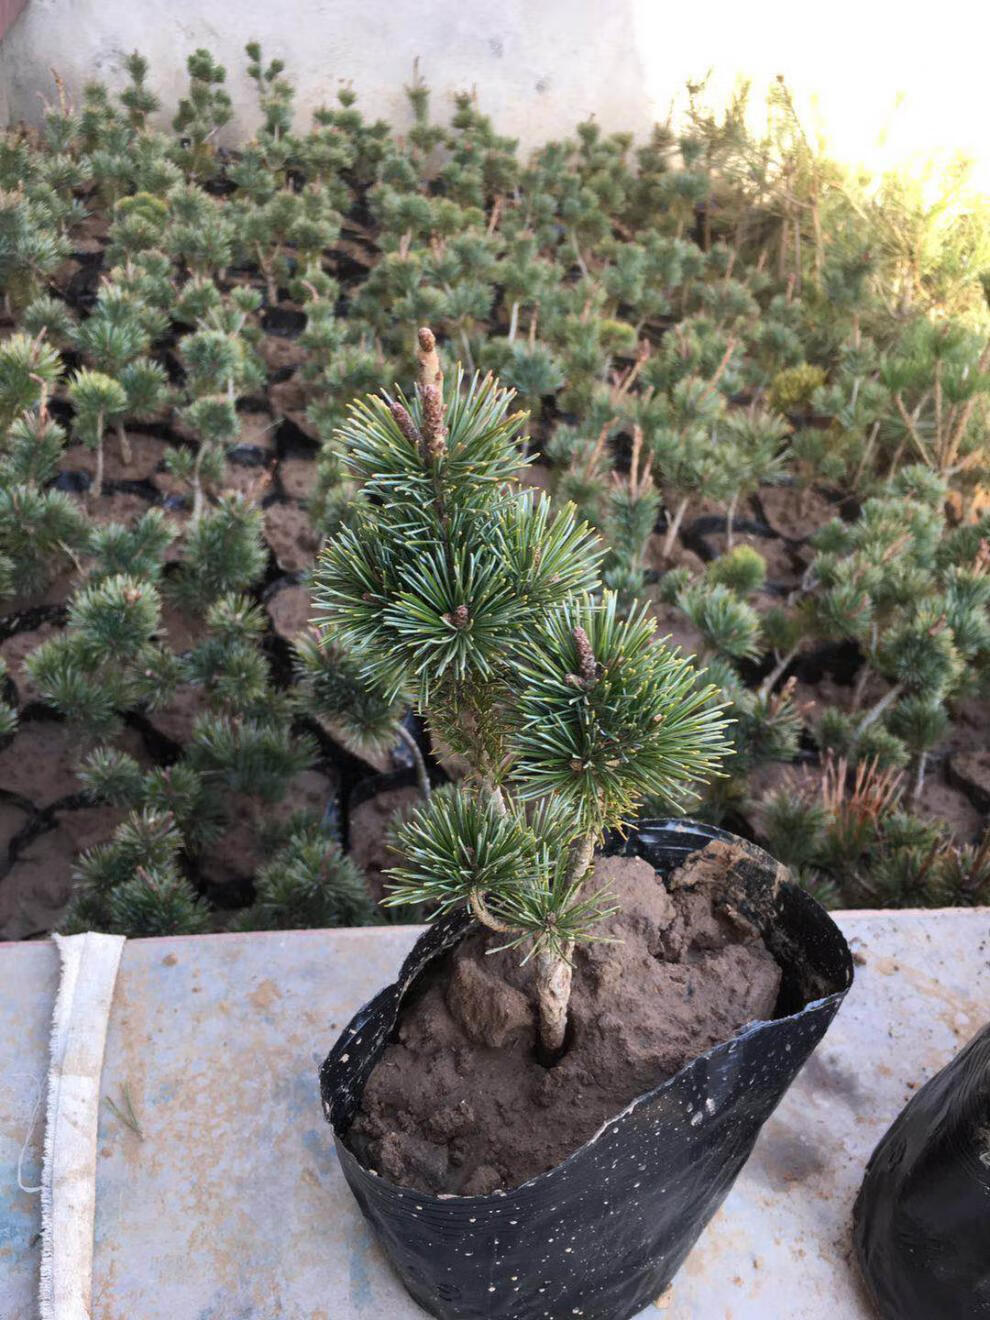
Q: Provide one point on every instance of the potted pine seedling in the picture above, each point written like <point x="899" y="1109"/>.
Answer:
<point x="540" y="1115"/>
<point x="632" y="505"/>
<point x="29" y="370"/>
<point x="108" y="660"/>
<point x="916" y="602"/>
<point x="115" y="340"/>
<point x="41" y="529"/>
<point x="200" y="115"/>
<point x="31" y="249"/>
<point x="686" y="454"/>
<point x="99" y="401"/>
<point x="765" y="724"/>
<point x="217" y="362"/>
<point x="367" y="718"/>
<point x="751" y="450"/>
<point x="213" y="421"/>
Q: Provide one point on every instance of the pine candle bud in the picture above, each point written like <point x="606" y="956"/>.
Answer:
<point x="406" y="425"/>
<point x="434" y="429"/>
<point x="429" y="359"/>
<point x="586" y="662"/>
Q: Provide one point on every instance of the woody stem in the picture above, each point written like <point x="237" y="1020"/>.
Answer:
<point x="482" y="914"/>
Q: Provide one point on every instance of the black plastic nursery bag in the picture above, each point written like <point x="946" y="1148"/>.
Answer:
<point x="602" y="1234"/>
<point x="922" y="1217"/>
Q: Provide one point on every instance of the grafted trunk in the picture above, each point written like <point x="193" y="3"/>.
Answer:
<point x="919" y="776"/>
<point x="554" y="970"/>
<point x="422" y="774"/>
<point x="553" y="988"/>
<point x="197" y="485"/>
<point x="125" y="445"/>
<point x="97" y="487"/>
<point x="874" y="713"/>
<point x="98" y="477"/>
<point x="673" y="527"/>
<point x="730" y="519"/>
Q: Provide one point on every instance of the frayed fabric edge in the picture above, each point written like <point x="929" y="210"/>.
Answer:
<point x="89" y="965"/>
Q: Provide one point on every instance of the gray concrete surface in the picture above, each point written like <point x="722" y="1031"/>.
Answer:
<point x="230" y="1205"/>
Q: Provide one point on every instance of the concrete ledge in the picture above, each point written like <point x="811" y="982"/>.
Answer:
<point x="232" y="1204"/>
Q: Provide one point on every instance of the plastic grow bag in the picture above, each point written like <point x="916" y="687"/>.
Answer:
<point x="922" y="1217"/>
<point x="602" y="1234"/>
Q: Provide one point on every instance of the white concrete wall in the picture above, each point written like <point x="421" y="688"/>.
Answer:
<point x="541" y="65"/>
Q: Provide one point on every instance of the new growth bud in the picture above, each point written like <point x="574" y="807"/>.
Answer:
<point x="587" y="663"/>
<point x="406" y="425"/>
<point x="458" y="618"/>
<point x="429" y="360"/>
<point x="434" y="427"/>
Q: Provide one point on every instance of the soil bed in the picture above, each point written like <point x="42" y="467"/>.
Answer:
<point x="459" y="1104"/>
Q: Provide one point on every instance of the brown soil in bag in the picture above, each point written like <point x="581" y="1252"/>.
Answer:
<point x="459" y="1102"/>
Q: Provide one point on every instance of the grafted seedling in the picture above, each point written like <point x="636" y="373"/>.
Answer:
<point x="487" y="608"/>
<point x="98" y="400"/>
<point x="915" y="599"/>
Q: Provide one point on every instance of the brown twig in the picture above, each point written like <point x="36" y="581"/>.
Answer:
<point x="912" y="430"/>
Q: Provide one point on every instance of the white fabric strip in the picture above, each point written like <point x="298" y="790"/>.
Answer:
<point x="68" y="1182"/>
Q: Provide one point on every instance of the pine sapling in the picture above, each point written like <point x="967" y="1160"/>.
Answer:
<point x="917" y="602"/>
<point x="201" y="114"/>
<point x="98" y="400"/>
<point x="108" y="660"/>
<point x="939" y="378"/>
<point x="476" y="599"/>
<point x="115" y="340"/>
<point x="751" y="451"/>
<point x="213" y="420"/>
<point x="138" y="549"/>
<point x="134" y="884"/>
<point x="275" y="95"/>
<point x="308" y="884"/>
<point x="363" y="715"/>
<point x="224" y="551"/>
<point x="685" y="450"/>
<point x="633" y="503"/>
<point x="31" y="248"/>
<point x="217" y="361"/>
<point x="137" y="98"/>
<point x="766" y="723"/>
<point x="30" y="368"/>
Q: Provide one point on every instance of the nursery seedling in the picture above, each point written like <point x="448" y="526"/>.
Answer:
<point x="98" y="400"/>
<point x="480" y="601"/>
<point x="29" y="370"/>
<point x="201" y="113"/>
<point x="108" y="657"/>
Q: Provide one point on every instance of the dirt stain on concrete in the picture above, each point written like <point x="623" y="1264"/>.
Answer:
<point x="265" y="995"/>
